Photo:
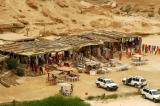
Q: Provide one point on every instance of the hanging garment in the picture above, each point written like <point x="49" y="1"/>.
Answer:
<point x="156" y="49"/>
<point x="96" y="52"/>
<point x="146" y="48"/>
<point x="104" y="51"/>
<point x="53" y="54"/>
<point x="143" y="47"/>
<point x="109" y="54"/>
<point x="36" y="60"/>
<point x="128" y="53"/>
<point x="99" y="52"/>
<point x="70" y="54"/>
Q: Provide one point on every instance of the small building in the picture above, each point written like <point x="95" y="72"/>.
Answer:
<point x="34" y="53"/>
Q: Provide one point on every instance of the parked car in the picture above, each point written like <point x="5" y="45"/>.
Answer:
<point x="152" y="94"/>
<point x="106" y="83"/>
<point x="136" y="81"/>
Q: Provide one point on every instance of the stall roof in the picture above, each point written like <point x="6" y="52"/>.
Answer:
<point x="114" y="34"/>
<point x="78" y="42"/>
<point x="85" y="39"/>
<point x="43" y="46"/>
<point x="33" y="47"/>
<point x="99" y="37"/>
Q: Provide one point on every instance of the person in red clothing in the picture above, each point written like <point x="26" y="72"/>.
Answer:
<point x="46" y="68"/>
<point x="109" y="55"/>
<point x="158" y="49"/>
<point x="138" y="51"/>
<point x="120" y="55"/>
<point x="129" y="53"/>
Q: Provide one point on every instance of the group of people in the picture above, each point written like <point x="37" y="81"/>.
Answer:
<point x="147" y="48"/>
<point x="129" y="52"/>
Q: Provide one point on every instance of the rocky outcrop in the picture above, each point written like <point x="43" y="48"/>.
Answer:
<point x="47" y="13"/>
<point x="32" y="3"/>
<point x="62" y="3"/>
<point x="12" y="25"/>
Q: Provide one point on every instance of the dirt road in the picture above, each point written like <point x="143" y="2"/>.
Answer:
<point x="36" y="87"/>
<point x="131" y="101"/>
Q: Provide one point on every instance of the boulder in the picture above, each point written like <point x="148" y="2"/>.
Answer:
<point x="32" y="3"/>
<point x="62" y="3"/>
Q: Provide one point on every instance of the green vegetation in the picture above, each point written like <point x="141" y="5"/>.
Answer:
<point x="103" y="96"/>
<point x="20" y="72"/>
<point x="52" y="101"/>
<point x="12" y="64"/>
<point x="112" y="96"/>
<point x="15" y="67"/>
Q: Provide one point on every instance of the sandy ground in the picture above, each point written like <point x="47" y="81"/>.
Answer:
<point x="131" y="101"/>
<point x="152" y="40"/>
<point x="37" y="88"/>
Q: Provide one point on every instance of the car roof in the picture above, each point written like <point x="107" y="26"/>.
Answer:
<point x="104" y="78"/>
<point x="153" y="89"/>
<point x="150" y="89"/>
<point x="140" y="77"/>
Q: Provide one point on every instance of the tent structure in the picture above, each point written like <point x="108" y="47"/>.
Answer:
<point x="32" y="51"/>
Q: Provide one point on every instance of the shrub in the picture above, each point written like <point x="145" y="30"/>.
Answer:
<point x="113" y="96"/>
<point x="53" y="101"/>
<point x="20" y="72"/>
<point x="127" y="8"/>
<point x="12" y="63"/>
<point x="90" y="97"/>
<point x="159" y="11"/>
<point x="151" y="14"/>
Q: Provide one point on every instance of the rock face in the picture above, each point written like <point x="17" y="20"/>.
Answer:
<point x="62" y="3"/>
<point x="32" y="3"/>
<point x="12" y="25"/>
<point x="47" y="13"/>
<point x="56" y="16"/>
<point x="6" y="26"/>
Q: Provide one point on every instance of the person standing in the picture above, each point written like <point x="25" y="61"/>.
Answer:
<point x="71" y="88"/>
<point x="120" y="55"/>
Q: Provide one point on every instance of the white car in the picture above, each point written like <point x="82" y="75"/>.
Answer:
<point x="152" y="94"/>
<point x="136" y="81"/>
<point x="106" y="83"/>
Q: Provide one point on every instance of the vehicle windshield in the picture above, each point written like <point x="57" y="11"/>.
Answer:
<point x="143" y="80"/>
<point x="109" y="81"/>
<point x="156" y="92"/>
